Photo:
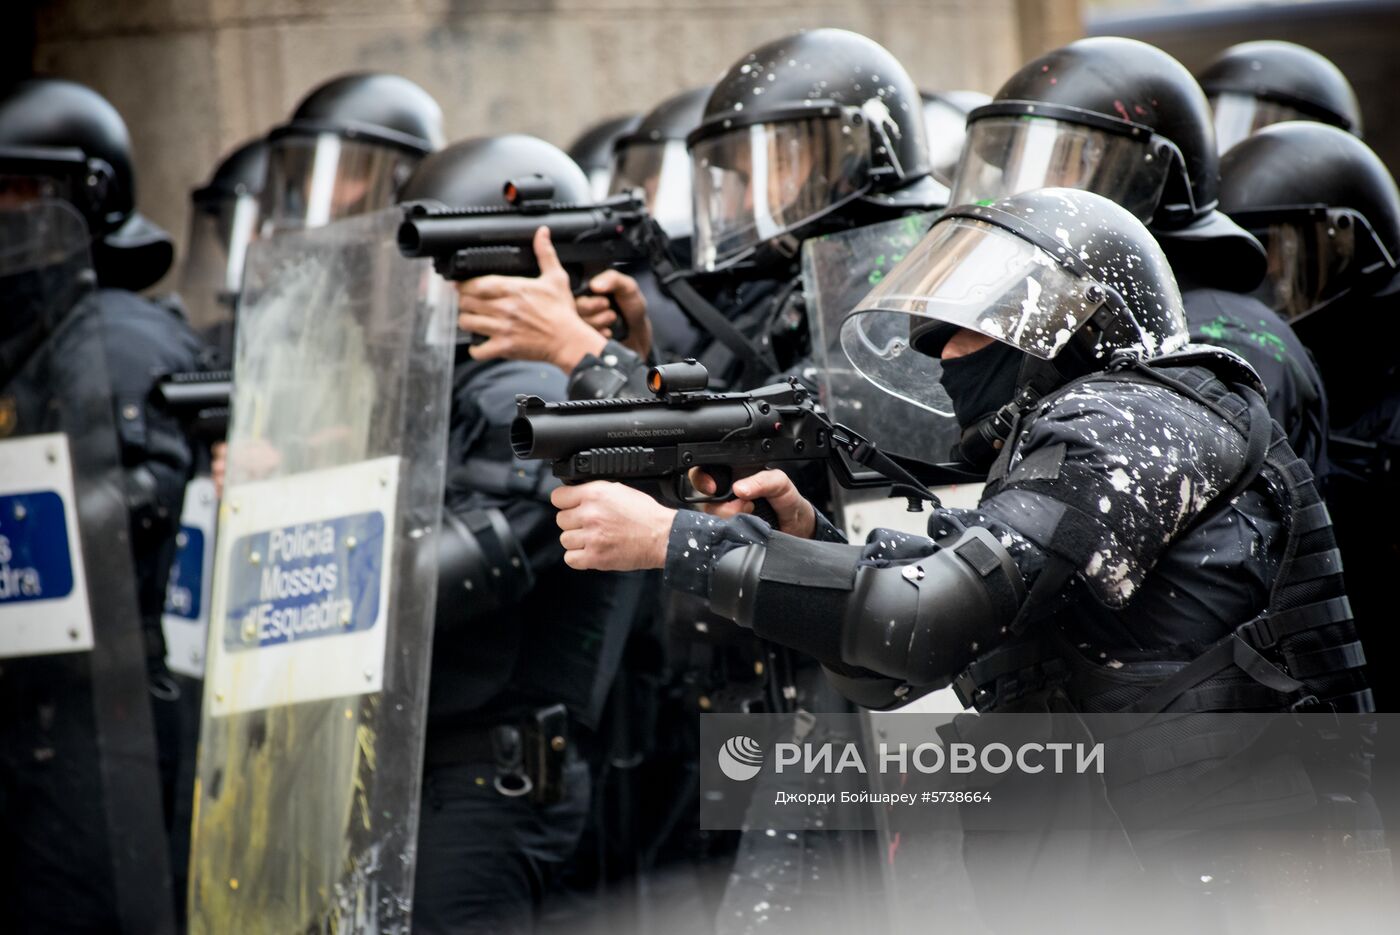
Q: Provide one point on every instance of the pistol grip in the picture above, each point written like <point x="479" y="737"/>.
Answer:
<point x="620" y="330"/>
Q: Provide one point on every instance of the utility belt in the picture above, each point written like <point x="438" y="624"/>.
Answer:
<point x="527" y="755"/>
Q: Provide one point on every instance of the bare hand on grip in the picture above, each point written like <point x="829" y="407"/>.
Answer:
<point x="790" y="512"/>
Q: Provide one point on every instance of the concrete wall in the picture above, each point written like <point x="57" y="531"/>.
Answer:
<point x="196" y="77"/>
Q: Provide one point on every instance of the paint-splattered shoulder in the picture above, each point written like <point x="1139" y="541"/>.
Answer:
<point x="1110" y="424"/>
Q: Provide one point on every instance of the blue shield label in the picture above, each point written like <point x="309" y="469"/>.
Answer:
<point x="183" y="592"/>
<point x="305" y="581"/>
<point x="35" y="559"/>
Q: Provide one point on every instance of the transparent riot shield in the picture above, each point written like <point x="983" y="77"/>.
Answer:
<point x="316" y="674"/>
<point x="837" y="271"/>
<point x="82" y="836"/>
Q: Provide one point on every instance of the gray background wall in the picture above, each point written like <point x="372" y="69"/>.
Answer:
<point x="195" y="77"/>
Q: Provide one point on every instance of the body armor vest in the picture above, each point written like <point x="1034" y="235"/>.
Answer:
<point x="1300" y="653"/>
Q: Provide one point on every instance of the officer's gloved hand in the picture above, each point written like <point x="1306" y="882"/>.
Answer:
<point x="528" y="317"/>
<point x="623" y="291"/>
<point x="793" y="512"/>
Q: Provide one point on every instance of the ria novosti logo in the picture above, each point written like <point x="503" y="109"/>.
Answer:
<point x="740" y="758"/>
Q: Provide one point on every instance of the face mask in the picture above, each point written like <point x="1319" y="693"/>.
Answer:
<point x="982" y="382"/>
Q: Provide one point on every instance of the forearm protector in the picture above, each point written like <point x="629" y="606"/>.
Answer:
<point x="481" y="566"/>
<point x="920" y="623"/>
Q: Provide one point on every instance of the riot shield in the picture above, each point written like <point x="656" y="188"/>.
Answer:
<point x="316" y="673"/>
<point x="81" y="826"/>
<point x="837" y="271"/>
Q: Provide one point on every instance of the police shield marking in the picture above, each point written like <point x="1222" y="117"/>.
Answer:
<point x="43" y="590"/>
<point x="299" y="605"/>
<point x="186" y="618"/>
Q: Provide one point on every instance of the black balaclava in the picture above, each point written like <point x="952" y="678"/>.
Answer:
<point x="982" y="382"/>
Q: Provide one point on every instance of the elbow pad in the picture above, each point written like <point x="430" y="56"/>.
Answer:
<point x="920" y="623"/>
<point x="924" y="622"/>
<point x="481" y="565"/>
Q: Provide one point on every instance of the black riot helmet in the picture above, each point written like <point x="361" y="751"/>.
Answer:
<point x="473" y="173"/>
<point x="347" y="148"/>
<point x="945" y="119"/>
<point x="1324" y="206"/>
<point x="593" y="150"/>
<point x="653" y="158"/>
<point x="1254" y="84"/>
<point x="816" y="131"/>
<point x="1123" y="119"/>
<point x="223" y="222"/>
<point x="1064" y="276"/>
<point x="60" y="139"/>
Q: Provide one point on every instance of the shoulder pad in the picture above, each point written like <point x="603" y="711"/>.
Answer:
<point x="1226" y="365"/>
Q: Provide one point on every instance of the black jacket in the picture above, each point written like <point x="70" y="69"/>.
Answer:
<point x="1243" y="324"/>
<point x="563" y="640"/>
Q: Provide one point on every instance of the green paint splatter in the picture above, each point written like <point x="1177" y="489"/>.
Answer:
<point x="1214" y="330"/>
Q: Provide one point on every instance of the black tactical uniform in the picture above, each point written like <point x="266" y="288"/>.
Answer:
<point x="524" y="649"/>
<point x="1328" y="211"/>
<point x="1127" y="121"/>
<point x="1146" y="540"/>
<point x="43" y="122"/>
<point x="1241" y="323"/>
<point x="1141" y="520"/>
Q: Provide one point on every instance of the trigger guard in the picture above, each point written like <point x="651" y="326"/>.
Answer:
<point x="722" y="495"/>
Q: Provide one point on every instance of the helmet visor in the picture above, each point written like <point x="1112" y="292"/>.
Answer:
<point x="1315" y="255"/>
<point x="965" y="274"/>
<point x="1005" y="155"/>
<point x="947" y="130"/>
<point x="19" y="191"/>
<point x="1238" y="116"/>
<point x="313" y="180"/>
<point x="758" y="182"/>
<point x="221" y="230"/>
<point x="661" y="169"/>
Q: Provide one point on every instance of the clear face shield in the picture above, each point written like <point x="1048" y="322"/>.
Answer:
<point x="661" y="169"/>
<point x="757" y="182"/>
<point x="1238" y="116"/>
<point x="29" y="175"/>
<point x="947" y="130"/>
<point x="1007" y="154"/>
<point x="44" y="263"/>
<point x="221" y="230"/>
<point x="968" y="274"/>
<point x="18" y="191"/>
<point x="1316" y="254"/>
<point x="314" y="179"/>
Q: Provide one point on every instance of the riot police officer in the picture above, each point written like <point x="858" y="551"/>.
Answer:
<point x="945" y="118"/>
<point x="63" y="142"/>
<point x="652" y="159"/>
<point x="223" y="222"/>
<point x="1126" y="120"/>
<point x="814" y="132"/>
<point x="348" y="147"/>
<point x="524" y="650"/>
<point x="593" y="150"/>
<point x="1327" y="210"/>
<point x="346" y="150"/>
<point x="1254" y="84"/>
<point x="1045" y="378"/>
<point x="1146" y="539"/>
